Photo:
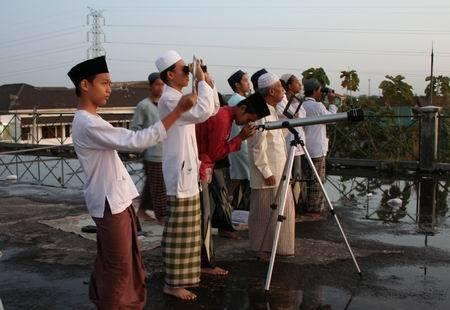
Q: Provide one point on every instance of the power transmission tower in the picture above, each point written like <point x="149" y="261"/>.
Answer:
<point x="95" y="35"/>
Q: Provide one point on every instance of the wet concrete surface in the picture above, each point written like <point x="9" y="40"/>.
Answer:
<point x="45" y="268"/>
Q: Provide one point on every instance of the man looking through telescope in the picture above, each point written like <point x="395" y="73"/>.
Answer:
<point x="316" y="142"/>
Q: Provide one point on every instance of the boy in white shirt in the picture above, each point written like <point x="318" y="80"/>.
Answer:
<point x="118" y="279"/>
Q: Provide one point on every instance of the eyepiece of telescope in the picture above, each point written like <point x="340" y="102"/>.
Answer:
<point x="355" y="115"/>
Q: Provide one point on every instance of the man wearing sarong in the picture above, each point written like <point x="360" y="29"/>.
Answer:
<point x="317" y="145"/>
<point x="153" y="196"/>
<point x="118" y="279"/>
<point x="239" y="171"/>
<point x="267" y="154"/>
<point x="214" y="143"/>
<point x="181" y="241"/>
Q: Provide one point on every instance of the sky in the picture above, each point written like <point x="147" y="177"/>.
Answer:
<point x="41" y="40"/>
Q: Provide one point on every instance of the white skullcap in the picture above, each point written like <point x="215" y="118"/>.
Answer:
<point x="267" y="79"/>
<point x="285" y="77"/>
<point x="166" y="60"/>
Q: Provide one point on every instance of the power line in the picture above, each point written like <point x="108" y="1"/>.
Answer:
<point x="56" y="15"/>
<point x="141" y="61"/>
<point x="37" y="69"/>
<point x="39" y="53"/>
<point x="286" y="49"/>
<point x="37" y="36"/>
<point x="322" y="9"/>
<point x="39" y="39"/>
<point x="289" y="29"/>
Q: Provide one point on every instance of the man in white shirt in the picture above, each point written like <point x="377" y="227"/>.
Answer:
<point x="118" y="279"/>
<point x="181" y="241"/>
<point x="316" y="144"/>
<point x="267" y="157"/>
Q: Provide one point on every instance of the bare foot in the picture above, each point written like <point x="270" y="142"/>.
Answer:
<point x="179" y="292"/>
<point x="216" y="271"/>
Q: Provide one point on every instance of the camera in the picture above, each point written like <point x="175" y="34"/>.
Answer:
<point x="325" y="90"/>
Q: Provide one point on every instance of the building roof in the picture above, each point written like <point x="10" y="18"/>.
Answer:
<point x="26" y="97"/>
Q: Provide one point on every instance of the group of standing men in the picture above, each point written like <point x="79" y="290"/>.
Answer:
<point x="183" y="137"/>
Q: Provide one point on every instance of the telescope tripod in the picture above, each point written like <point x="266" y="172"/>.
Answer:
<point x="283" y="191"/>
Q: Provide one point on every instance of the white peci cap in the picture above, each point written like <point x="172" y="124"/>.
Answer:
<point x="267" y="79"/>
<point x="166" y="60"/>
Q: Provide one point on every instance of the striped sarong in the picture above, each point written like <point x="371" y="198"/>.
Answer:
<point x="314" y="195"/>
<point x="262" y="222"/>
<point x="181" y="242"/>
<point x="153" y="195"/>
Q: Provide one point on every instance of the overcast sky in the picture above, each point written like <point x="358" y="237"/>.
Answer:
<point x="42" y="40"/>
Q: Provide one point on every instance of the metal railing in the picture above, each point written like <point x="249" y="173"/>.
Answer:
<point x="379" y="137"/>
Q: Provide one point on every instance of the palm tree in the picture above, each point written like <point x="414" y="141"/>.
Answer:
<point x="350" y="80"/>
<point x="396" y="91"/>
<point x="317" y="73"/>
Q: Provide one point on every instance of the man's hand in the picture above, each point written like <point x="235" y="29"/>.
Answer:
<point x="270" y="181"/>
<point x="186" y="102"/>
<point x="199" y="74"/>
<point x="248" y="131"/>
<point x="209" y="80"/>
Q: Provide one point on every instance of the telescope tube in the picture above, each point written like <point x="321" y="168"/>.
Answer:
<point x="355" y="115"/>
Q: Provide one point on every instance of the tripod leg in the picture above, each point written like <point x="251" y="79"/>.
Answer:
<point x="281" y="217"/>
<point x="313" y="168"/>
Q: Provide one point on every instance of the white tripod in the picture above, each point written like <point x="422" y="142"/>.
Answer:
<point x="284" y="184"/>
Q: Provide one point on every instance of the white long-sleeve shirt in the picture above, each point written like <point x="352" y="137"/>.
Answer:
<point x="96" y="143"/>
<point x="267" y="153"/>
<point x="180" y="154"/>
<point x="316" y="135"/>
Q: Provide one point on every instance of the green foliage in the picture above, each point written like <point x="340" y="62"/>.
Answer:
<point x="317" y="73"/>
<point x="441" y="89"/>
<point x="380" y="136"/>
<point x="350" y="80"/>
<point x="444" y="135"/>
<point x="396" y="91"/>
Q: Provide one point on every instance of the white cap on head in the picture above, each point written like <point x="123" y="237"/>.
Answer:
<point x="166" y="60"/>
<point x="285" y="77"/>
<point x="267" y="79"/>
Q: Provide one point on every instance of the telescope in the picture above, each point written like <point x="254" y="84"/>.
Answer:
<point x="354" y="115"/>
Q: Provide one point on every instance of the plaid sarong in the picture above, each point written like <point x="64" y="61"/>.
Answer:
<point x="314" y="194"/>
<point x="181" y="242"/>
<point x="153" y="195"/>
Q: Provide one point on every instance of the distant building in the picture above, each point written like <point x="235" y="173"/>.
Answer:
<point x="30" y="114"/>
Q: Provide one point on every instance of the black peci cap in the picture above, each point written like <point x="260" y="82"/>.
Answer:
<point x="256" y="76"/>
<point x="88" y="68"/>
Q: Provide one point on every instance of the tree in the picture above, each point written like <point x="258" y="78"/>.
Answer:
<point x="396" y="91"/>
<point x="317" y="73"/>
<point x="440" y="87"/>
<point x="350" y="80"/>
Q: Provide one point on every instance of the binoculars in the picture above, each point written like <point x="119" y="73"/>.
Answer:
<point x="190" y="67"/>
